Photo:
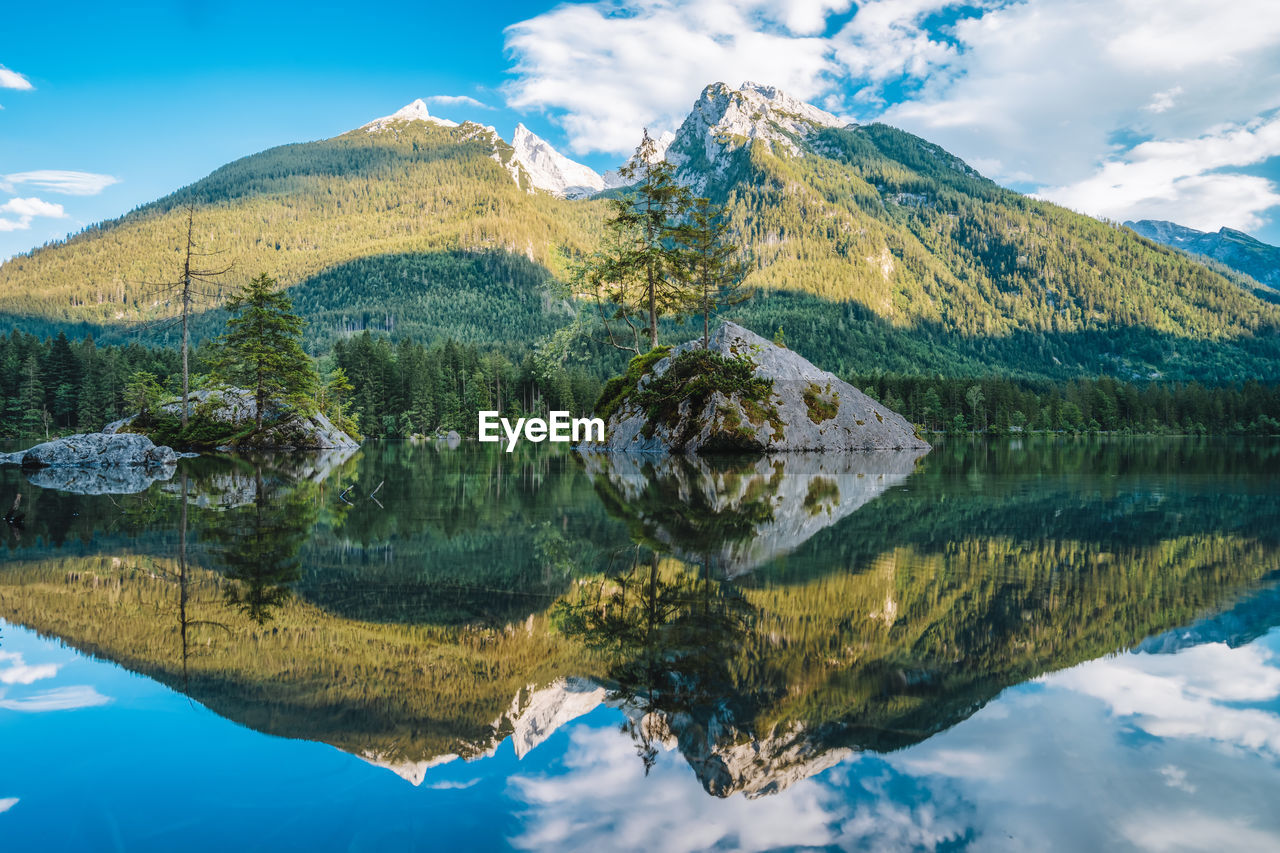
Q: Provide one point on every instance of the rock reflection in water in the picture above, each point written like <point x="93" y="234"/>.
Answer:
<point x="737" y="514"/>
<point x="227" y="483"/>
<point x="760" y="620"/>
<point x="115" y="480"/>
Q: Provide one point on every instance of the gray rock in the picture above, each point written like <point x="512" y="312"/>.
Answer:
<point x="237" y="407"/>
<point x="98" y="450"/>
<point x="836" y="417"/>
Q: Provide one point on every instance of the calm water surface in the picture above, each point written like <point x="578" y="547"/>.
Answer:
<point x="1021" y="645"/>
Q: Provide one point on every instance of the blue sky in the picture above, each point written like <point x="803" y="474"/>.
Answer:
<point x="1119" y="108"/>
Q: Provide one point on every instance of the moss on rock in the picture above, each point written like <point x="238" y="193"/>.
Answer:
<point x="617" y="389"/>
<point x="821" y="408"/>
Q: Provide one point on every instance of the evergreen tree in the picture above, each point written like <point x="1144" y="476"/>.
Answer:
<point x="31" y="408"/>
<point x="638" y="270"/>
<point x="262" y="348"/>
<point x="712" y="265"/>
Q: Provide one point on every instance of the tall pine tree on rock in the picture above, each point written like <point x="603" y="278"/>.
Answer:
<point x="637" y="272"/>
<point x="713" y="264"/>
<point x="262" y="349"/>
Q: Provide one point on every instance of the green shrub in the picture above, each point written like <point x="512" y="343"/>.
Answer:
<point x="619" y="388"/>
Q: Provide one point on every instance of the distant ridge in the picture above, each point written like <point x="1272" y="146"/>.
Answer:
<point x="1228" y="246"/>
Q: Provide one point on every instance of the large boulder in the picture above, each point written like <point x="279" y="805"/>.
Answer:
<point x="237" y="409"/>
<point x="96" y="450"/>
<point x="801" y="408"/>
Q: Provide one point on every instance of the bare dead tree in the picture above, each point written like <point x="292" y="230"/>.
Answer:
<point x="195" y="283"/>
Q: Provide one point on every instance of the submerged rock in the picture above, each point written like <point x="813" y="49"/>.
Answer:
<point x="796" y="406"/>
<point x="95" y="450"/>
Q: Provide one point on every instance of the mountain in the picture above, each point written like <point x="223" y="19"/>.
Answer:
<point x="550" y="170"/>
<point x="725" y="120"/>
<point x="409" y="224"/>
<point x="1228" y="246"/>
<point x="415" y="111"/>
<point x="875" y="250"/>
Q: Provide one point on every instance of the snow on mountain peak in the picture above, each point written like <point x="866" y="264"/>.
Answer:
<point x="724" y="119"/>
<point x="415" y="111"/>
<point x="550" y="170"/>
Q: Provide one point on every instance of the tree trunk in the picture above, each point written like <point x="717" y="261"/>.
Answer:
<point x="186" y="310"/>
<point x="706" y="320"/>
<point x="653" y="312"/>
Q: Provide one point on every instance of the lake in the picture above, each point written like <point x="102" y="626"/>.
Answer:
<point x="1026" y="644"/>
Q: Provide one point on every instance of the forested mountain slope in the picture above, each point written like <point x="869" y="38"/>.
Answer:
<point x="441" y="201"/>
<point x="873" y="249"/>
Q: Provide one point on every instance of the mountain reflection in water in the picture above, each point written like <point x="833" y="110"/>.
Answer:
<point x="766" y="617"/>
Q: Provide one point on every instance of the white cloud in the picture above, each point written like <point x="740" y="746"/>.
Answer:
<point x="19" y="672"/>
<point x="886" y="40"/>
<point x="1043" y="93"/>
<point x="606" y="802"/>
<point x="609" y="69"/>
<point x="1025" y="770"/>
<point x="10" y="79"/>
<point x="58" y="699"/>
<point x="453" y="786"/>
<point x="1181" y="180"/>
<point x="26" y="209"/>
<point x="1176" y="777"/>
<point x="59" y="181"/>
<point x="1176" y="831"/>
<point x="457" y="101"/>
<point x="32" y="207"/>
<point x="1190" y="694"/>
<point x="7" y="803"/>
<point x="1164" y="101"/>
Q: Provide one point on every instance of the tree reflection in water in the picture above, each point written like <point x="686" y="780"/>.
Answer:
<point x="668" y="633"/>
<point x="767" y="618"/>
<point x="257" y="545"/>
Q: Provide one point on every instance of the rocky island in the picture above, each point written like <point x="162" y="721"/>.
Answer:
<point x="130" y="454"/>
<point x="227" y="419"/>
<point x="742" y="393"/>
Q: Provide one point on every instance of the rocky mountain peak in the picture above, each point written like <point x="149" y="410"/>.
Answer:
<point x="550" y="170"/>
<point x="414" y="111"/>
<point x="1228" y="246"/>
<point x="725" y="119"/>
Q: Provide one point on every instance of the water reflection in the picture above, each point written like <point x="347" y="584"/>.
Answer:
<point x="256" y="545"/>
<point x="117" y="480"/>
<point x="737" y="514"/>
<point x="765" y="618"/>
<point x="669" y="636"/>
